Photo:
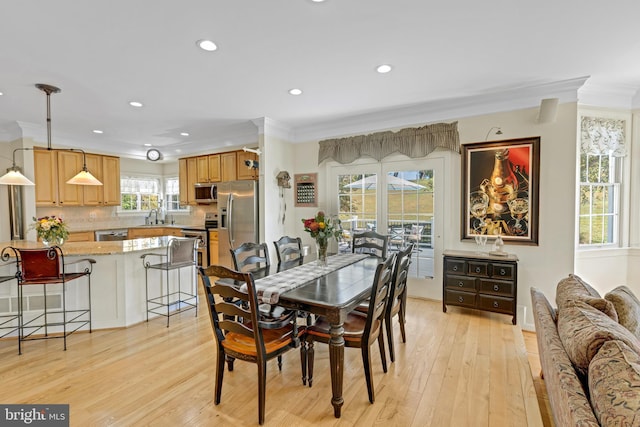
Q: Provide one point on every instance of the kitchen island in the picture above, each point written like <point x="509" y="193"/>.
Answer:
<point x="118" y="293"/>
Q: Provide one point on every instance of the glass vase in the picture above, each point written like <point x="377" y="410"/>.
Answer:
<point x="52" y="240"/>
<point x="321" y="251"/>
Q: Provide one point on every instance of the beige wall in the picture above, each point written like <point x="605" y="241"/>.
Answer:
<point x="541" y="266"/>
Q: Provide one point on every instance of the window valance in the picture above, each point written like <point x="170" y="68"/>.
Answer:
<point x="412" y="142"/>
<point x="599" y="136"/>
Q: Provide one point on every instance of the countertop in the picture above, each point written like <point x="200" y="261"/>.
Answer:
<point x="97" y="248"/>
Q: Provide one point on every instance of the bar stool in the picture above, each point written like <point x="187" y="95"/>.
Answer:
<point x="9" y="319"/>
<point x="181" y="253"/>
<point x="47" y="267"/>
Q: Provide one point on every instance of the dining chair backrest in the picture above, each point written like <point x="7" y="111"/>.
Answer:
<point x="288" y="249"/>
<point x="250" y="256"/>
<point x="225" y="314"/>
<point x="370" y="242"/>
<point x="399" y="276"/>
<point x="37" y="265"/>
<point x="378" y="300"/>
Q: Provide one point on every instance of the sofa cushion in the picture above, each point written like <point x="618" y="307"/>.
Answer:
<point x="573" y="288"/>
<point x="583" y="329"/>
<point x="628" y="308"/>
<point x="614" y="385"/>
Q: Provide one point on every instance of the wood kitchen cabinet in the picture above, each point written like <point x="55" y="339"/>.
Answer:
<point x="202" y="169"/>
<point x="142" y="232"/>
<point x="187" y="178"/>
<point x="53" y="168"/>
<point x="214" y="168"/>
<point x="243" y="172"/>
<point x="81" y="236"/>
<point x="45" y="171"/>
<point x="228" y="166"/>
<point x="69" y="164"/>
<point x="213" y="247"/>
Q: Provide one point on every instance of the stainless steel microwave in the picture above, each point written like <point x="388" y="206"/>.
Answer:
<point x="206" y="193"/>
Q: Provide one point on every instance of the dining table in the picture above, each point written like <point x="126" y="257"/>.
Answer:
<point x="332" y="291"/>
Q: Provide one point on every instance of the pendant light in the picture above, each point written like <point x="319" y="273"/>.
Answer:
<point x="13" y="175"/>
<point x="83" y="177"/>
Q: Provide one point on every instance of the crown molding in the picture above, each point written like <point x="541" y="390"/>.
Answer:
<point x="607" y="95"/>
<point x="274" y="128"/>
<point x="448" y="109"/>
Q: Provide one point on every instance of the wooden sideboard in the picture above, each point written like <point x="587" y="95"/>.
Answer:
<point x="480" y="281"/>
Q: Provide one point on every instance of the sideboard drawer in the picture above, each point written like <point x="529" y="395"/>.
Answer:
<point x="496" y="287"/>
<point x="463" y="299"/>
<point x="461" y="283"/>
<point x="503" y="271"/>
<point x="478" y="268"/>
<point x="455" y="266"/>
<point x="495" y="303"/>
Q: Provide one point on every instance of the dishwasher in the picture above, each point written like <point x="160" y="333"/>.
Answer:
<point x="110" y="235"/>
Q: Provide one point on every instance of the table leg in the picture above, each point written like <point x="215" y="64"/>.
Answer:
<point x="336" y="361"/>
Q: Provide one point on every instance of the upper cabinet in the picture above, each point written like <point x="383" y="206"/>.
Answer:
<point x="220" y="167"/>
<point x="53" y="168"/>
<point x="245" y="172"/>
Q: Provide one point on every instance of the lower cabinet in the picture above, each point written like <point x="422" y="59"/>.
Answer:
<point x="213" y="247"/>
<point x="144" y="232"/>
<point x="480" y="281"/>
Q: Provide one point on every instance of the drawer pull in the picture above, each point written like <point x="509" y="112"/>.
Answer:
<point x="460" y="299"/>
<point x="478" y="269"/>
<point x="503" y="272"/>
<point x="455" y="268"/>
<point x="461" y="283"/>
<point x="495" y="304"/>
<point x="496" y="288"/>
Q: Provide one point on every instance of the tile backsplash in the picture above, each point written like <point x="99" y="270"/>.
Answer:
<point x="82" y="218"/>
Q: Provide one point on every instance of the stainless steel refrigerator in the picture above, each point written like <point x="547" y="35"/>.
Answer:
<point x="238" y="217"/>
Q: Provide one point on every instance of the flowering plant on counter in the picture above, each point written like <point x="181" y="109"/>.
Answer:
<point x="51" y="229"/>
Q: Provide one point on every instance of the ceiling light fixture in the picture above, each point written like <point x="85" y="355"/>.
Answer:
<point x="98" y="131"/>
<point x="13" y="175"/>
<point x="383" y="69"/>
<point x="184" y="133"/>
<point x="207" y="45"/>
<point x="136" y="104"/>
<point x="83" y="177"/>
<point x="295" y="91"/>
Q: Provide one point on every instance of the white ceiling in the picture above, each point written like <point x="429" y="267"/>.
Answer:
<point x="103" y="54"/>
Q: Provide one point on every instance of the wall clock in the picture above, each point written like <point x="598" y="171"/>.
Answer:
<point x="153" y="154"/>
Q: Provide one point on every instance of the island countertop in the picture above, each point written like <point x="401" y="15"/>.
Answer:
<point x="98" y="248"/>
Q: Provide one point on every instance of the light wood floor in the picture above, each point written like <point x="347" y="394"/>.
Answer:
<point x="462" y="368"/>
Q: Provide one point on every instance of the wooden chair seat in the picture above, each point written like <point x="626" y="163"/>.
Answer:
<point x="353" y="328"/>
<point x="274" y="340"/>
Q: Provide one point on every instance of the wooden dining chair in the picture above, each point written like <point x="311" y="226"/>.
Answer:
<point x="360" y="330"/>
<point x="397" y="304"/>
<point x="370" y="242"/>
<point x="289" y="250"/>
<point x="239" y="331"/>
<point x="250" y="256"/>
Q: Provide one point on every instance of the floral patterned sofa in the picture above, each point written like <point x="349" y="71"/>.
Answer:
<point x="590" y="354"/>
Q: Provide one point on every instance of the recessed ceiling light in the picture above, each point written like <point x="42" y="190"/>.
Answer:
<point x="295" y="91"/>
<point x="1" y="93"/>
<point x="147" y="145"/>
<point x="317" y="1"/>
<point x="207" y="45"/>
<point x="178" y="150"/>
<point x="97" y="131"/>
<point x="135" y="104"/>
<point x="184" y="133"/>
<point x="384" y="68"/>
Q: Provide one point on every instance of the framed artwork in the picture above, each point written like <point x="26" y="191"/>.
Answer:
<point x="501" y="190"/>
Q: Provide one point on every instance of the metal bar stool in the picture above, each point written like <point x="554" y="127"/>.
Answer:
<point x="47" y="267"/>
<point x="181" y="253"/>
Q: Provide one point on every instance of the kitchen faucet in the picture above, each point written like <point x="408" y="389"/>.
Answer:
<point x="152" y="211"/>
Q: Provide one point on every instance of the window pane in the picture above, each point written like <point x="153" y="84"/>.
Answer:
<point x="410" y="209"/>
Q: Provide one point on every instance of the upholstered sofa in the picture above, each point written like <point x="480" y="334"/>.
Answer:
<point x="589" y="351"/>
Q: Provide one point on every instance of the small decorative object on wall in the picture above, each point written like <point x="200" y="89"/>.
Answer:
<point x="500" y="196"/>
<point x="306" y="190"/>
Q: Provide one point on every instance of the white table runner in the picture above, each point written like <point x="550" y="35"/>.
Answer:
<point x="271" y="287"/>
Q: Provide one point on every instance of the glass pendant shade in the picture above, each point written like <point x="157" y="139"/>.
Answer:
<point x="84" y="177"/>
<point x="14" y="177"/>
